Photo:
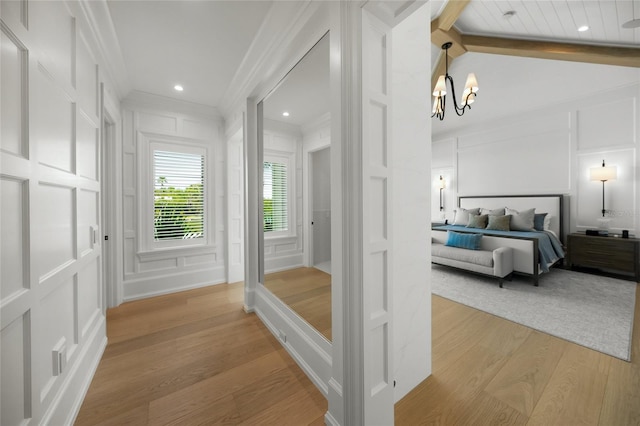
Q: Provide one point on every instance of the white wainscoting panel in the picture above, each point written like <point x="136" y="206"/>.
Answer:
<point x="15" y="385"/>
<point x="87" y="80"/>
<point x="50" y="185"/>
<point x="56" y="242"/>
<point x="54" y="28"/>
<point x="13" y="77"/>
<point x="606" y="124"/>
<point x="13" y="213"/>
<point x="87" y="142"/>
<point x="55" y="115"/>
<point x="376" y="234"/>
<point x="509" y="159"/>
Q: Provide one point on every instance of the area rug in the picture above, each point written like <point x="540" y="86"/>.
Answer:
<point x="590" y="310"/>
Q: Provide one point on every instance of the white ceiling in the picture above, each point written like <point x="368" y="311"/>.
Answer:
<point x="202" y="44"/>
<point x="199" y="44"/>
<point x="554" y="20"/>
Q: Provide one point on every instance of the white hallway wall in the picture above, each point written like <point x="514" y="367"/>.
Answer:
<point x="550" y="150"/>
<point x="51" y="286"/>
<point x="150" y="272"/>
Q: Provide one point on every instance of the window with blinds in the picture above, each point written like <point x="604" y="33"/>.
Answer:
<point x="178" y="195"/>
<point x="275" y="203"/>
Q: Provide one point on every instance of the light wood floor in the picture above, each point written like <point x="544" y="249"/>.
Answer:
<point x="195" y="358"/>
<point x="307" y="291"/>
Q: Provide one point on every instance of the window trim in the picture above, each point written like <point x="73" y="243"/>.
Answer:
<point x="147" y="144"/>
<point x="287" y="158"/>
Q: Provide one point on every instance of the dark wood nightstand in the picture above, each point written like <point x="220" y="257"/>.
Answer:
<point x="619" y="255"/>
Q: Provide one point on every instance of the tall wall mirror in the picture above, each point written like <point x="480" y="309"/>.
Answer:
<point x="296" y="192"/>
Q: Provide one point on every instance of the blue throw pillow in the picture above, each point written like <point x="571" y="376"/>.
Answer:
<point x="538" y="221"/>
<point x="466" y="241"/>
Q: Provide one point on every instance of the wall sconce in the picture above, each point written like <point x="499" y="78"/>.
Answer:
<point x="603" y="174"/>
<point x="441" y="186"/>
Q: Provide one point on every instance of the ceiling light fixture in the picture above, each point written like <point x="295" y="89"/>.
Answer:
<point x="440" y="91"/>
<point x="634" y="23"/>
<point x="583" y="28"/>
<point x="178" y="88"/>
<point x="285" y="114"/>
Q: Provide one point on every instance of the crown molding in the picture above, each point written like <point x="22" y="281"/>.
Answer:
<point x="271" y="45"/>
<point x="107" y="47"/>
<point x="154" y="102"/>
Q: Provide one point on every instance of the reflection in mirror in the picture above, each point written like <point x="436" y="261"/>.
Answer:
<point x="296" y="200"/>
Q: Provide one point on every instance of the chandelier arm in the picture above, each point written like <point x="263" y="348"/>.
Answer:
<point x="459" y="110"/>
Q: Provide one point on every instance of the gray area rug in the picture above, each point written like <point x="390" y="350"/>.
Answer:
<point x="590" y="310"/>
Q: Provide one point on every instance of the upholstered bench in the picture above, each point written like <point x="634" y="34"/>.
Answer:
<point x="496" y="263"/>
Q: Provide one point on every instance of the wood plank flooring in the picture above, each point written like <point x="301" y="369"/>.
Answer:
<point x="196" y="358"/>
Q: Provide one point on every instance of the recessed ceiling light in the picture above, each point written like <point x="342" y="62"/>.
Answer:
<point x="583" y="28"/>
<point x="634" y="23"/>
<point x="178" y="87"/>
<point x="285" y="114"/>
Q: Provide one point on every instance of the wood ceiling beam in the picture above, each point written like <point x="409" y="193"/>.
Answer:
<point x="449" y="15"/>
<point x="440" y="37"/>
<point x="620" y="56"/>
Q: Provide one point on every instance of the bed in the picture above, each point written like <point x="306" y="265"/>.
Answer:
<point x="534" y="252"/>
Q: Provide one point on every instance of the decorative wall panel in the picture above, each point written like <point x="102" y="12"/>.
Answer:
<point x="12" y="224"/>
<point x="87" y="81"/>
<point x="157" y="123"/>
<point x="492" y="168"/>
<point x="55" y="29"/>
<point x="378" y="212"/>
<point x="607" y="124"/>
<point x="378" y="134"/>
<point x="14" y="369"/>
<point x="88" y="203"/>
<point x="56" y="240"/>
<point x="12" y="96"/>
<point x="58" y="304"/>
<point x="87" y="143"/>
<point x="88" y="294"/>
<point x="55" y="115"/>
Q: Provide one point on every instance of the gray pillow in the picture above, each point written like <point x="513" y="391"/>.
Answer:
<point x="477" y="221"/>
<point x="461" y="216"/>
<point x="521" y="221"/>
<point x="494" y="212"/>
<point x="499" y="223"/>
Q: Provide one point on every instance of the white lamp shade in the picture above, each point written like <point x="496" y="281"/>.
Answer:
<point x="471" y="84"/>
<point x="437" y="106"/>
<point x="441" y="87"/>
<point x="603" y="173"/>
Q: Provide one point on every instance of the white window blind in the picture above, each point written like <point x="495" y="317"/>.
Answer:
<point x="178" y="195"/>
<point x="275" y="203"/>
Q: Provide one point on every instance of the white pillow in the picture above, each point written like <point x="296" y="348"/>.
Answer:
<point x="492" y="212"/>
<point x="461" y="216"/>
<point x="547" y="223"/>
<point x="521" y="221"/>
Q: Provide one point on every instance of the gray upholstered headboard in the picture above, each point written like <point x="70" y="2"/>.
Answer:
<point x="551" y="204"/>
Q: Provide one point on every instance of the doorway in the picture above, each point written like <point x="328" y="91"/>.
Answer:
<point x="320" y="207"/>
